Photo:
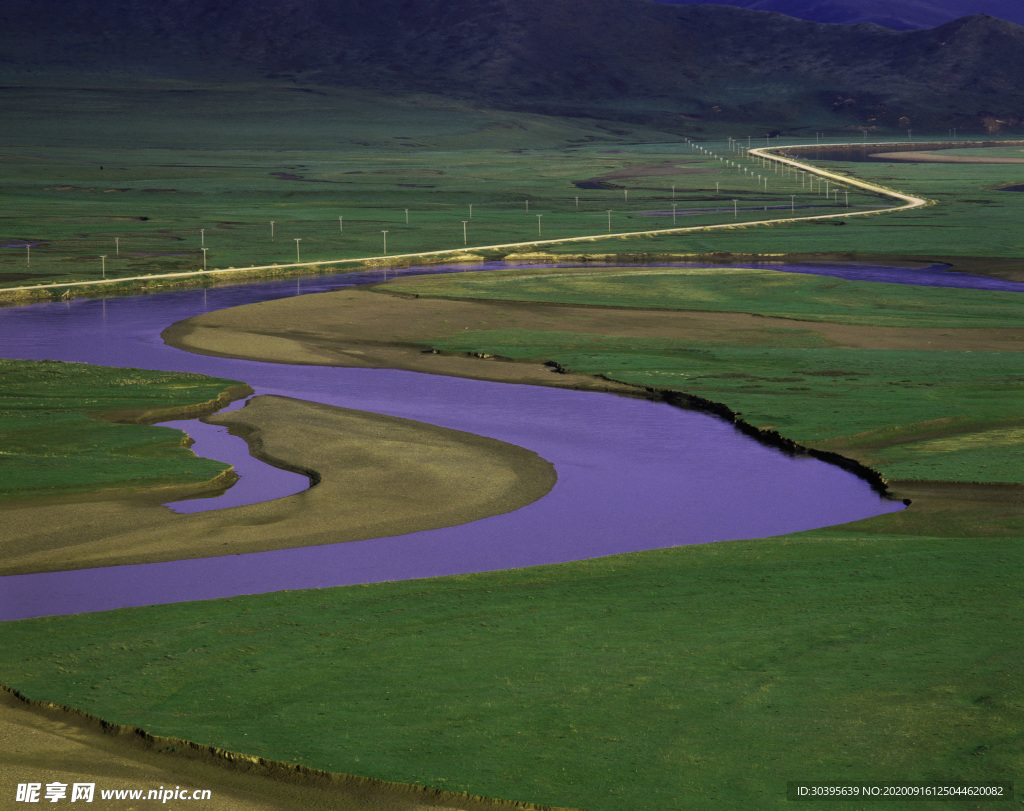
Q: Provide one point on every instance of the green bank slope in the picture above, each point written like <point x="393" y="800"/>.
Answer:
<point x="67" y="428"/>
<point x="916" y="414"/>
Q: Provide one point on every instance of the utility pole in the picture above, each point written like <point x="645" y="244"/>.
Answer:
<point x="297" y="241"/>
<point x="385" y="233"/>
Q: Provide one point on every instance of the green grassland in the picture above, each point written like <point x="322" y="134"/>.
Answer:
<point x="700" y="677"/>
<point x="915" y="414"/>
<point x="149" y="178"/>
<point x="58" y="436"/>
<point x="802" y="297"/>
<point x="705" y="677"/>
<point x="972" y="218"/>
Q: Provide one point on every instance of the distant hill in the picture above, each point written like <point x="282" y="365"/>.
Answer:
<point x="901" y="15"/>
<point x="621" y="59"/>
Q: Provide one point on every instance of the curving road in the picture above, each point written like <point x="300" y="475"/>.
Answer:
<point x="906" y="201"/>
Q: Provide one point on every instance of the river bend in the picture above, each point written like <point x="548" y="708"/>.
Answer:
<point x="633" y="474"/>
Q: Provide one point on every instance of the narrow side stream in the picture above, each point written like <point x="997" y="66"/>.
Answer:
<point x="633" y="474"/>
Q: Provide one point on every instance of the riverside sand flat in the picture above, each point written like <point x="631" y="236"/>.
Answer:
<point x="363" y="328"/>
<point x="375" y="476"/>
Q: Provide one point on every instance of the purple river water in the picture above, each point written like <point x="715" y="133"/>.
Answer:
<point x="632" y="474"/>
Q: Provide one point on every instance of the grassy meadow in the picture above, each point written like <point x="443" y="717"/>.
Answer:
<point x="884" y="650"/>
<point x="795" y="296"/>
<point x="918" y="414"/>
<point x="131" y="177"/>
<point x="126" y="178"/>
<point x="700" y="677"/>
<point x="66" y="428"/>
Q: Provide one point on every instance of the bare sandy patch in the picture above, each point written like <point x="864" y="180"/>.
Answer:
<point x="375" y="476"/>
<point x="389" y="327"/>
<point x="938" y="157"/>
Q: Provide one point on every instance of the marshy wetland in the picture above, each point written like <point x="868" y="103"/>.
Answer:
<point x="699" y="676"/>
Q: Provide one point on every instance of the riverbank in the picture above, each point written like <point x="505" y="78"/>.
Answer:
<point x="578" y="331"/>
<point x="374" y="476"/>
<point x="683" y="676"/>
<point x="63" y="744"/>
<point x="69" y="429"/>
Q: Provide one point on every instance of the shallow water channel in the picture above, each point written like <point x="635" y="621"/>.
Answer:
<point x="632" y="474"/>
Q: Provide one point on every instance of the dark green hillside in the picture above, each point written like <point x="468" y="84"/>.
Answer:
<point x="916" y="14"/>
<point x="625" y="59"/>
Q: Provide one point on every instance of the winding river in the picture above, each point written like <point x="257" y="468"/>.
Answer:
<point x="632" y="474"/>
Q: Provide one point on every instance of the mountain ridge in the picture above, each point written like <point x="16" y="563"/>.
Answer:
<point x="902" y="16"/>
<point x="626" y="59"/>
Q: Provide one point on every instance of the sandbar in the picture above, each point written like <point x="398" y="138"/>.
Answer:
<point x="374" y="476"/>
<point x="389" y="326"/>
<point x="938" y="157"/>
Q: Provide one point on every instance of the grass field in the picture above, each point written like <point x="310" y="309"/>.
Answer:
<point x="701" y="677"/>
<point x="65" y="428"/>
<point x="433" y="175"/>
<point x="800" y="297"/>
<point x="913" y="414"/>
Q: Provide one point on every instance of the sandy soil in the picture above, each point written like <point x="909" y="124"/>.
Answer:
<point x="390" y="327"/>
<point x="446" y="478"/>
<point x="939" y="157"/>
<point x="46" y="744"/>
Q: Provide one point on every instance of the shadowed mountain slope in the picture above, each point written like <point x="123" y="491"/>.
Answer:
<point x="901" y="15"/>
<point x="626" y="59"/>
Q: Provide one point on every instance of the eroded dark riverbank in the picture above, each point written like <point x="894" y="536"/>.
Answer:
<point x="633" y="474"/>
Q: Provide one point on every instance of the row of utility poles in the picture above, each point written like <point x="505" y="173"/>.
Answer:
<point x="733" y="145"/>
